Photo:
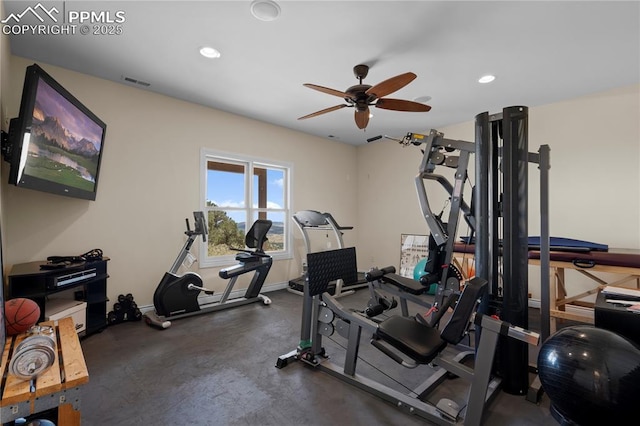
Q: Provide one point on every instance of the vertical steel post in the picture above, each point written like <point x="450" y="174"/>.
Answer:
<point x="515" y="309"/>
<point x="545" y="277"/>
<point x="481" y="199"/>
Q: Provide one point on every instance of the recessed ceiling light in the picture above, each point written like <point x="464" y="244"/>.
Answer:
<point x="265" y="10"/>
<point x="209" y="52"/>
<point x="487" y="78"/>
<point x="423" y="99"/>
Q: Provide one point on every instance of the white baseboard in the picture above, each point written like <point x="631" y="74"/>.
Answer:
<point x="234" y="294"/>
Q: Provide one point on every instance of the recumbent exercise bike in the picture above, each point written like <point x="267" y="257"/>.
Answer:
<point x="177" y="295"/>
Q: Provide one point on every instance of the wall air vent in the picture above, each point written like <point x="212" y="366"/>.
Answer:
<point x="134" y="81"/>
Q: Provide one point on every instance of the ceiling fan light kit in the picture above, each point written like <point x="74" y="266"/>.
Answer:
<point x="362" y="96"/>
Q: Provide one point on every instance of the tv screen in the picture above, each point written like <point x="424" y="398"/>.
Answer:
<point x="57" y="142"/>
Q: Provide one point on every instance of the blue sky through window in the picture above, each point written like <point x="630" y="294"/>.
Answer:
<point x="226" y="189"/>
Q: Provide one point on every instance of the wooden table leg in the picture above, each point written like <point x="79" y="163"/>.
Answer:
<point x="68" y="416"/>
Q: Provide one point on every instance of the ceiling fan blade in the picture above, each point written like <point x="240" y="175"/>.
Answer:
<point x="402" y="105"/>
<point x="326" y="90"/>
<point x="323" y="111"/>
<point x="391" y="85"/>
<point x="362" y="118"/>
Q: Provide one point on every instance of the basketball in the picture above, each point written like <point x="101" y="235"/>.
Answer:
<point x="20" y="315"/>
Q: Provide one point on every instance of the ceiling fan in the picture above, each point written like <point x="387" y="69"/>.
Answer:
<point x="361" y="96"/>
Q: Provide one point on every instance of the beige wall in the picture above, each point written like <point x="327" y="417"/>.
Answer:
<point x="594" y="178"/>
<point x="149" y="183"/>
<point x="150" y="180"/>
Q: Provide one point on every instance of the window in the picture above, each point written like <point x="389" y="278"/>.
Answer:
<point x="238" y="190"/>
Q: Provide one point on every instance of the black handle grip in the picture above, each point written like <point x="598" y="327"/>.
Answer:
<point x="375" y="274"/>
<point x="584" y="264"/>
<point x="389" y="270"/>
<point x="373" y="311"/>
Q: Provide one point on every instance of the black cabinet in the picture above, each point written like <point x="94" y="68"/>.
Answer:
<point x="87" y="281"/>
<point x="615" y="317"/>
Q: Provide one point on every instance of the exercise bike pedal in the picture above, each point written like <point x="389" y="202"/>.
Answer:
<point x="265" y="299"/>
<point x="192" y="286"/>
<point x="154" y="321"/>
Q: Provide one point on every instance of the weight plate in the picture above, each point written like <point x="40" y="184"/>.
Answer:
<point x="325" y="315"/>
<point x="36" y="340"/>
<point x="29" y="362"/>
<point x="325" y="329"/>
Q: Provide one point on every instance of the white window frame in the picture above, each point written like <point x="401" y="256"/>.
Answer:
<point x="207" y="155"/>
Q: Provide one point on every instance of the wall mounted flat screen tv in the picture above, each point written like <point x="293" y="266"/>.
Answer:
<point x="56" y="142"/>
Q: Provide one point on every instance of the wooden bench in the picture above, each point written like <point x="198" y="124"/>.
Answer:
<point x="560" y="299"/>
<point x="623" y="263"/>
<point x="58" y="387"/>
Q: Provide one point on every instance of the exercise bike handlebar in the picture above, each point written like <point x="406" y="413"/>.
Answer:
<point x="200" y="226"/>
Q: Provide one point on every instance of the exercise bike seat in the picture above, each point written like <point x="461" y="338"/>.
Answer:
<point x="251" y="260"/>
<point x="247" y="257"/>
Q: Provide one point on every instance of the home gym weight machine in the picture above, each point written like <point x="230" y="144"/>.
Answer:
<point x="500" y="210"/>
<point x="405" y="340"/>
<point x="177" y="295"/>
<point x="499" y="219"/>
<point x="311" y="221"/>
<point x="439" y="269"/>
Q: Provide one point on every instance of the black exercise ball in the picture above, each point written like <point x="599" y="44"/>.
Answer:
<point x="591" y="375"/>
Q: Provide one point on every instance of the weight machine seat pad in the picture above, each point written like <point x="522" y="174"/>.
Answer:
<point x="456" y="328"/>
<point x="419" y="341"/>
<point x="422" y="342"/>
<point x="404" y="283"/>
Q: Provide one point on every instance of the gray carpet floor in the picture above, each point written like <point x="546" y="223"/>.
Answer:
<point x="219" y="369"/>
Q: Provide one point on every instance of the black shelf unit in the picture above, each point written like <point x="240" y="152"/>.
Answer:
<point x="88" y="280"/>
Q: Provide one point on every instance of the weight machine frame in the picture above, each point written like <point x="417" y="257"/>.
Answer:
<point x="442" y="234"/>
<point x="490" y="215"/>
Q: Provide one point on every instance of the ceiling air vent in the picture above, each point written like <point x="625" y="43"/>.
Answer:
<point x="134" y="81"/>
